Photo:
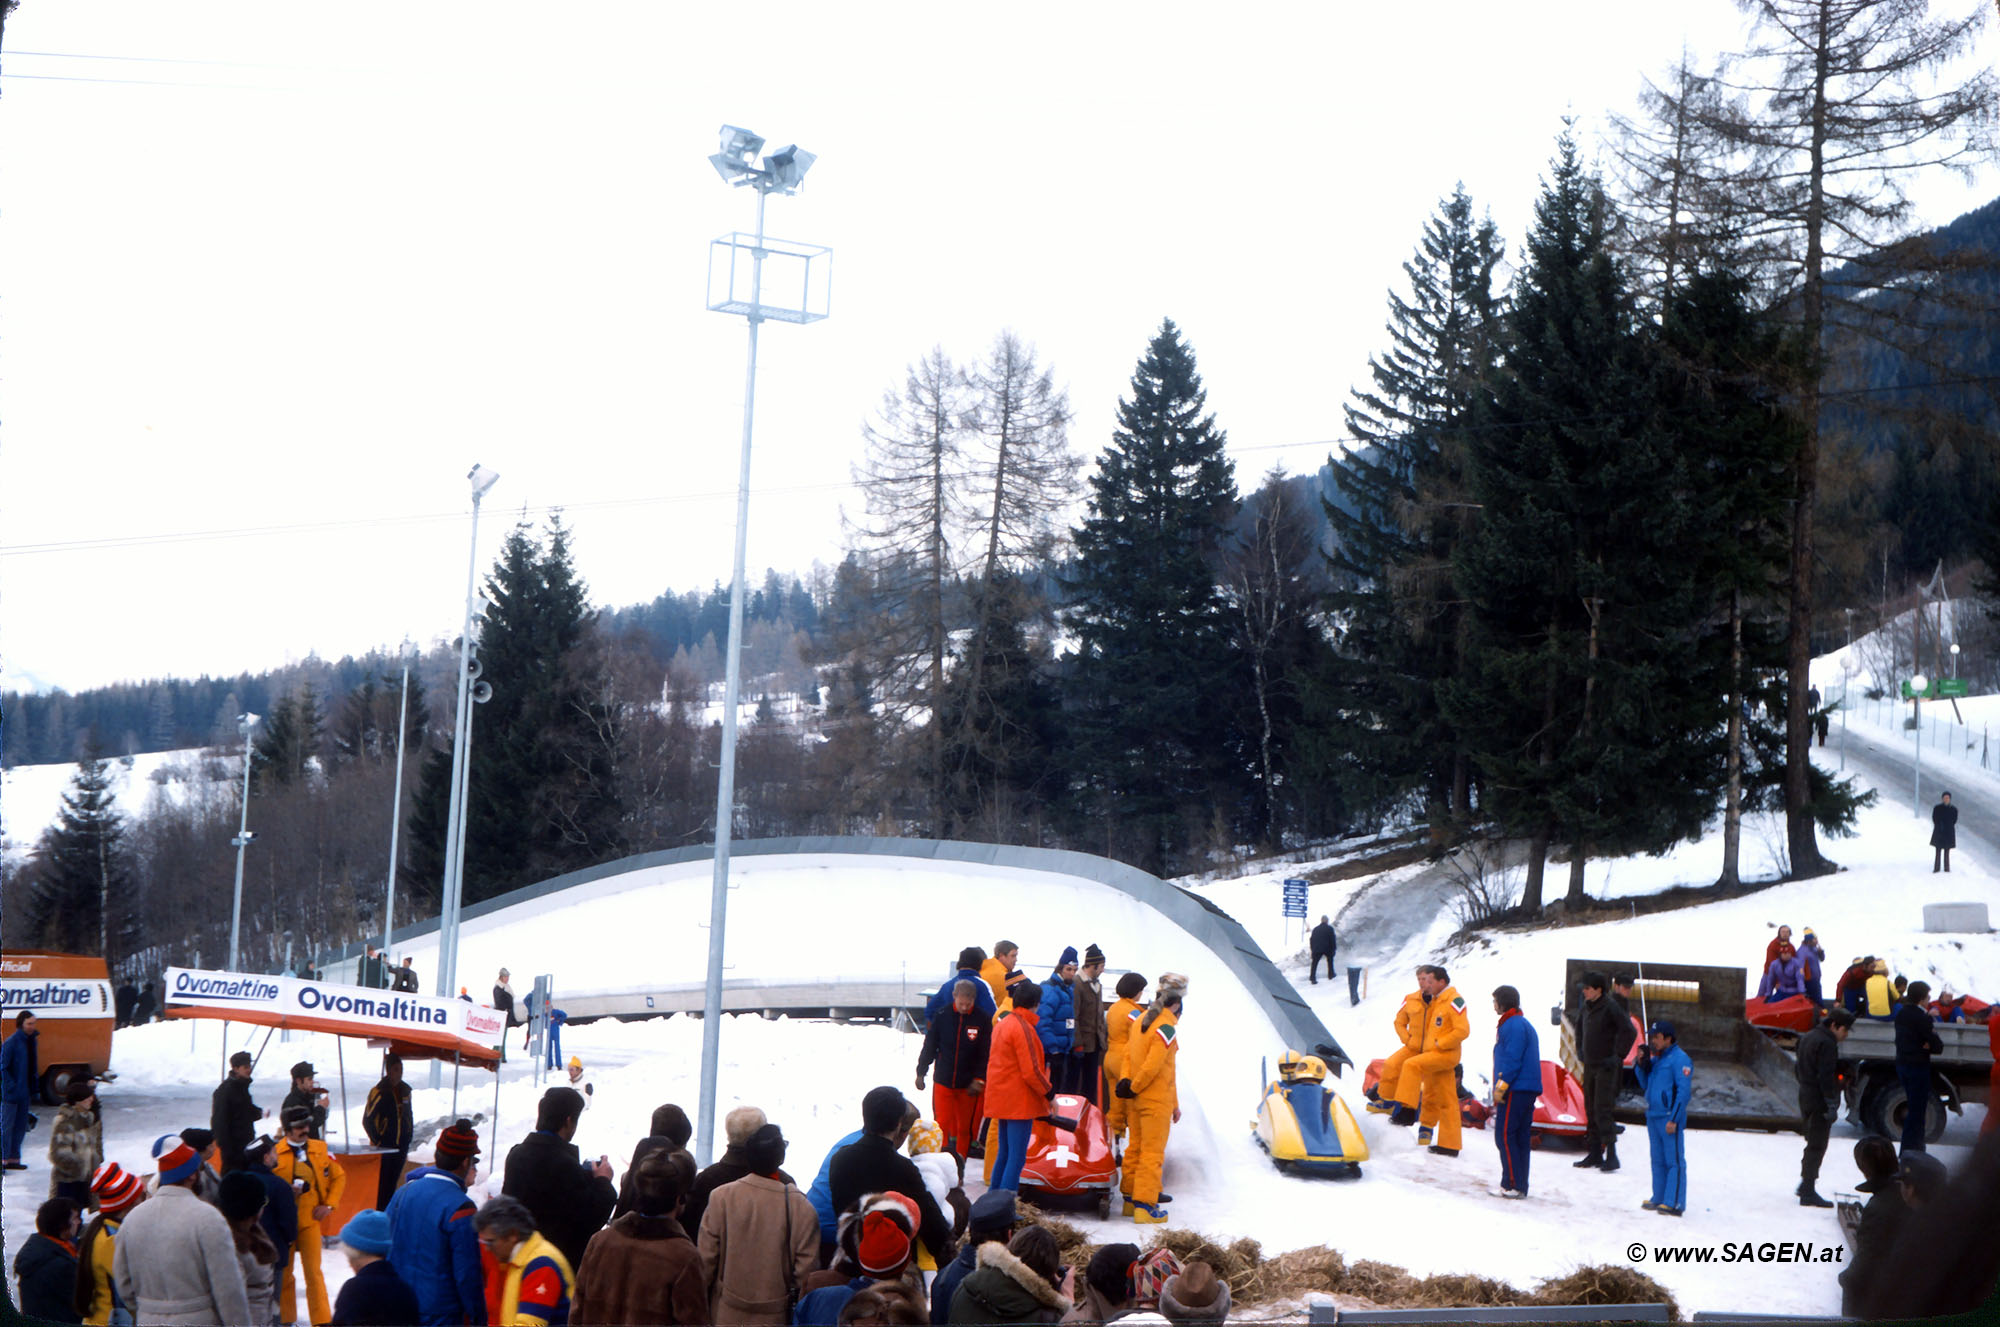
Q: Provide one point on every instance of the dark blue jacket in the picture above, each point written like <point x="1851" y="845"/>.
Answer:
<point x="1668" y="1082"/>
<point x="375" y="1296"/>
<point x="17" y="1068"/>
<point x="820" y="1195"/>
<point x="1058" y="1016"/>
<point x="280" y="1218"/>
<point x="437" y="1251"/>
<point x="982" y="995"/>
<point x="946" y="1284"/>
<point x="1517" y="1054"/>
<point x="1916" y="1034"/>
<point x="822" y="1308"/>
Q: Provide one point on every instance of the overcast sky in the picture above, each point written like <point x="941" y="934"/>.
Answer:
<point x="277" y="275"/>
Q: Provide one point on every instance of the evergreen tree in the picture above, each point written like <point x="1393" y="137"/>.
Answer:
<point x="82" y="871"/>
<point x="1402" y="512"/>
<point x="1583" y="701"/>
<point x="1151" y="755"/>
<point x="288" y="740"/>
<point x="1000" y="721"/>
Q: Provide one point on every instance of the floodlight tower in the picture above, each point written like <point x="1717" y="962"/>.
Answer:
<point x="782" y="172"/>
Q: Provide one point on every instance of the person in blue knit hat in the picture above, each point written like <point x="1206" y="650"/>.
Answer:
<point x="375" y="1294"/>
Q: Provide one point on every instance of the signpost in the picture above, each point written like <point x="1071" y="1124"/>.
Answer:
<point x="1295" y="900"/>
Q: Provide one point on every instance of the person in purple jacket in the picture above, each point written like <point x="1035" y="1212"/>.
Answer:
<point x="1517" y="1081"/>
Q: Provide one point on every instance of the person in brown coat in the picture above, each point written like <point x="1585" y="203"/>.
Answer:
<point x="643" y="1268"/>
<point x="759" y="1240"/>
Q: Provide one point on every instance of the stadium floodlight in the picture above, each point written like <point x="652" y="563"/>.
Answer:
<point x="482" y="479"/>
<point x="788" y="167"/>
<point x="781" y="173"/>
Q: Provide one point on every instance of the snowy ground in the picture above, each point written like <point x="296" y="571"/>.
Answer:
<point x="31" y="795"/>
<point x="810" y="1076"/>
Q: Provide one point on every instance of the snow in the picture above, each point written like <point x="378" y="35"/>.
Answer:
<point x="31" y="795"/>
<point x="903" y="919"/>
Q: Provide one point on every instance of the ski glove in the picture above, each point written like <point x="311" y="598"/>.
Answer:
<point x="1124" y="1089"/>
<point x="1499" y="1091"/>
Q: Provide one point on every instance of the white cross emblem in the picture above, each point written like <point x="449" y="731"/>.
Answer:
<point x="1063" y="1156"/>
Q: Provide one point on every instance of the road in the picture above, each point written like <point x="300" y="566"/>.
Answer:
<point x="1889" y="765"/>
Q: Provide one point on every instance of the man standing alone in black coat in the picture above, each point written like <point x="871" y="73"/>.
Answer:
<point x="1604" y="1034"/>
<point x="1944" y="833"/>
<point x="872" y="1164"/>
<point x="232" y="1115"/>
<point x="570" y="1200"/>
<point x="1323" y="947"/>
<point x="1819" y="1097"/>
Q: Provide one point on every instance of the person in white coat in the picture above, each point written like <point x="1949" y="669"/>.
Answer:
<point x="175" y="1261"/>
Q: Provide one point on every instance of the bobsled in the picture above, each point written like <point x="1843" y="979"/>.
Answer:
<point x="1304" y="1127"/>
<point x="1559" y="1110"/>
<point x="1794" y="1013"/>
<point x="1070" y="1157"/>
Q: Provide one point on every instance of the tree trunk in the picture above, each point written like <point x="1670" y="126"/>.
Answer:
<point x="1802" y="844"/>
<point x="1578" y="855"/>
<point x="1732" y="815"/>
<point x="1579" y="851"/>
<point x="1538" y="857"/>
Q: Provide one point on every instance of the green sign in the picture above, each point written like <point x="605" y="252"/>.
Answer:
<point x="1947" y="687"/>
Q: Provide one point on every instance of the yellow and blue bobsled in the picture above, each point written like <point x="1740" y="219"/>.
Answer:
<point x="1304" y="1126"/>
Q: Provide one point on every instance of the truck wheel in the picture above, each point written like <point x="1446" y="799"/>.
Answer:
<point x="56" y="1080"/>
<point x="1873" y="1120"/>
<point x="1891" y="1106"/>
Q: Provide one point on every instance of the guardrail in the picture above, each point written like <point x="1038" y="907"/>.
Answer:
<point x="1943" y="736"/>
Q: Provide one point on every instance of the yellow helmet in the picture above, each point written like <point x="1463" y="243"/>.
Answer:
<point x="1296" y="1068"/>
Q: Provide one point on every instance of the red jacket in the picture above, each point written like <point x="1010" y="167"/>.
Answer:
<point x="1017" y="1072"/>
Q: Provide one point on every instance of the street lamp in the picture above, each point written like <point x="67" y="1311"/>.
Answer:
<point x="246" y="724"/>
<point x="1918" y="685"/>
<point x="481" y="480"/>
<point x="782" y="172"/>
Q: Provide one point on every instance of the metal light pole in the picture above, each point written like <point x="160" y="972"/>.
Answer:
<point x="396" y="810"/>
<point x="782" y="172"/>
<point x="481" y="479"/>
<point x="246" y="723"/>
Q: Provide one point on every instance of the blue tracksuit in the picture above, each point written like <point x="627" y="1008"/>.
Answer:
<point x="557" y="1018"/>
<point x="437" y="1251"/>
<point x="982" y="995"/>
<point x="821" y="1193"/>
<point x="1668" y="1082"/>
<point x="1517" y="1062"/>
<point x="1058" y="1018"/>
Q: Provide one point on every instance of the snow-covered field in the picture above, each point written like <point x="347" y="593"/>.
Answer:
<point x="31" y="795"/>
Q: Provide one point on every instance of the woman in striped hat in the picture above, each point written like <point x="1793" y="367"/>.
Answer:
<point x="117" y="1192"/>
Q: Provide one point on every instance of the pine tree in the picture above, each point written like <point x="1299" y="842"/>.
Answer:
<point x="288" y="740"/>
<point x="1001" y="720"/>
<point x="1583" y="701"/>
<point x="82" y="870"/>
<point x="1403" y="511"/>
<point x="1151" y="756"/>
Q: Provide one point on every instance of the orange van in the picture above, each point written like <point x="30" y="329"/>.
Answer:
<point x="70" y="996"/>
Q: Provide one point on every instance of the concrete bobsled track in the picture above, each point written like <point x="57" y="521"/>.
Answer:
<point x="841" y="916"/>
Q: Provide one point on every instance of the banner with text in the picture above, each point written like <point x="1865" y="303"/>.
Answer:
<point x="472" y="1031"/>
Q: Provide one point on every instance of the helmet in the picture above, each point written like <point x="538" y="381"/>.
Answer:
<point x="1296" y="1068"/>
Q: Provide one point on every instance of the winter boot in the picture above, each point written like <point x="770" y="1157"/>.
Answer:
<point x="1404" y="1117"/>
<point x="1591" y="1162"/>
<point x="1811" y="1198"/>
<point x="1610" y="1159"/>
<point x="1377" y="1106"/>
<point x="1444" y="1151"/>
<point x="1146" y="1214"/>
<point x="1128" y="1205"/>
<point x="1423" y="1135"/>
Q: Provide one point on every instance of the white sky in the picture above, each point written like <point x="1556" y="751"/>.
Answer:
<point x="309" y="277"/>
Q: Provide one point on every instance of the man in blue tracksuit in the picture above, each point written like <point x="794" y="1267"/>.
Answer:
<point x="1666" y="1076"/>
<point x="970" y="960"/>
<point x="1058" y="1022"/>
<point x="431" y="1230"/>
<point x="1517" y="1081"/>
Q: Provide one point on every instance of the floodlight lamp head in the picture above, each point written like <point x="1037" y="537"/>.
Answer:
<point x="787" y="167"/>
<point x="482" y="480"/>
<point x="246" y="721"/>
<point x="740" y="144"/>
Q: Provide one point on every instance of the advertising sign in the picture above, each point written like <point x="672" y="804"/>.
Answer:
<point x="353" y="1011"/>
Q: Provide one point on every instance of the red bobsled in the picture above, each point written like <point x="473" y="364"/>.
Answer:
<point x="1472" y="1112"/>
<point x="1070" y="1157"/>
<point x="1559" y="1111"/>
<point x="1794" y="1013"/>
